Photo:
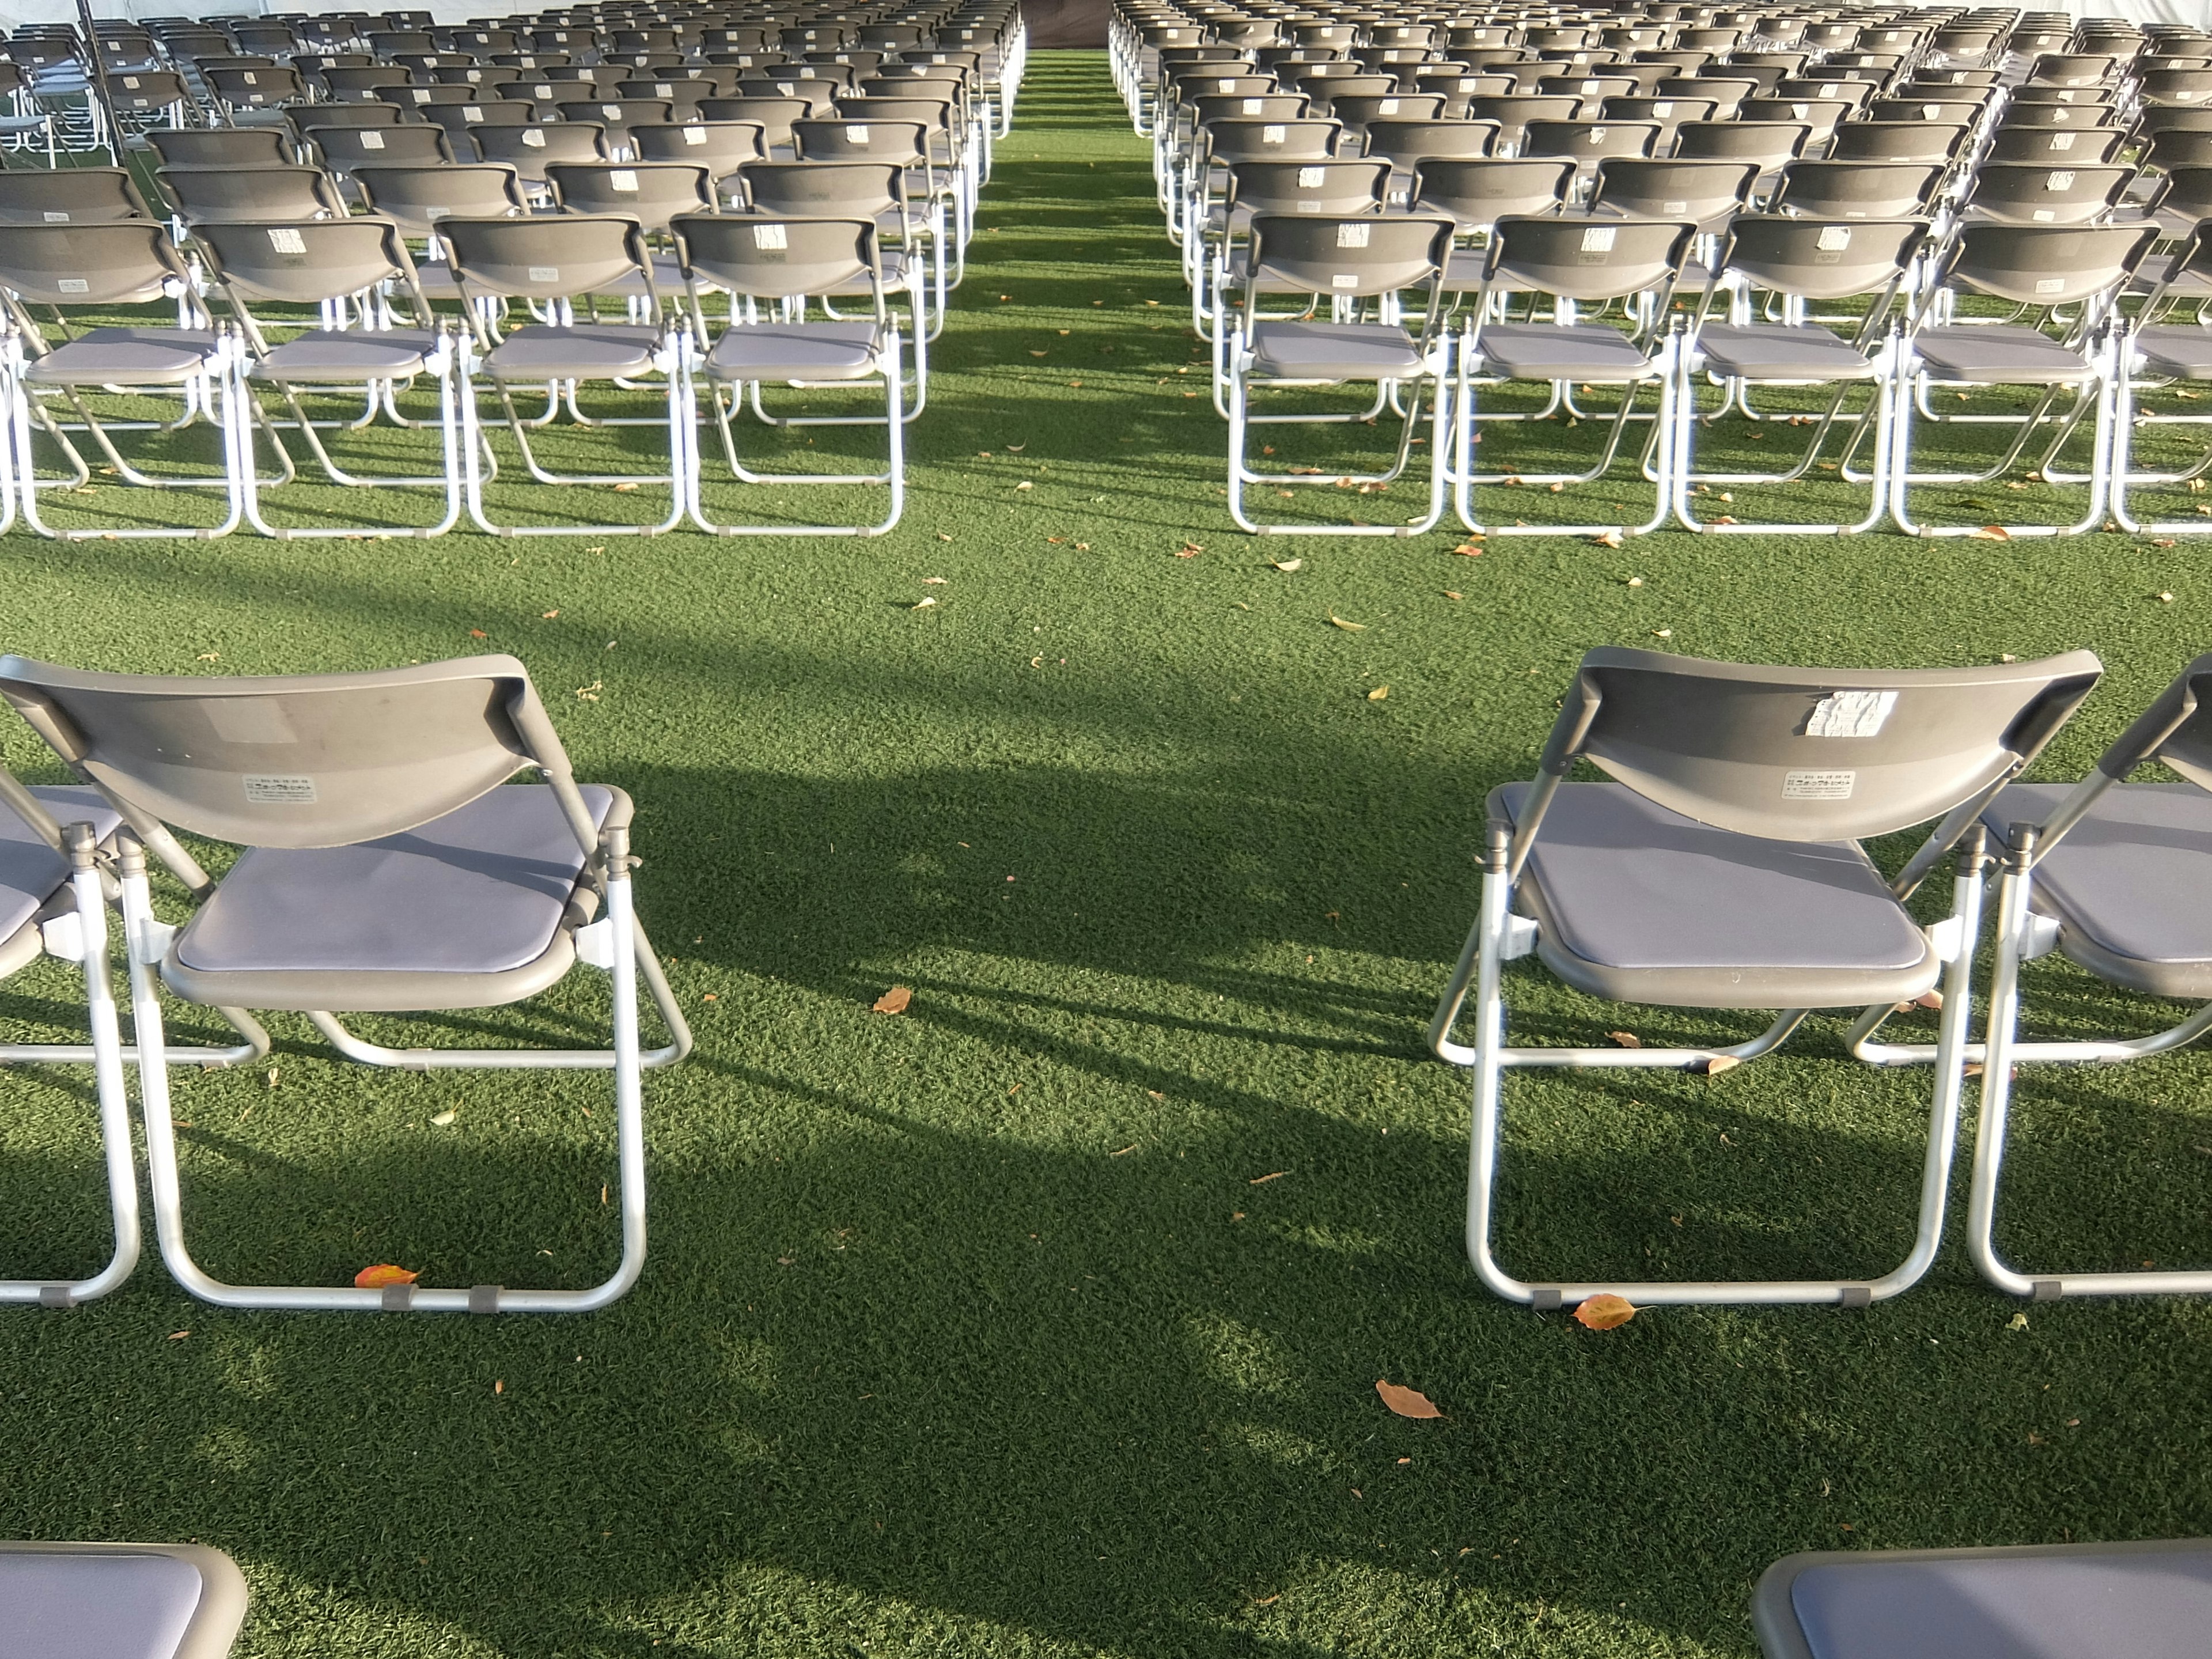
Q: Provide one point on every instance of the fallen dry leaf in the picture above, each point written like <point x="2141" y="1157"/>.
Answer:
<point x="499" y="1387"/>
<point x="1288" y="564"/>
<point x="625" y="486"/>
<point x="445" y="1118"/>
<point x="932" y="581"/>
<point x="894" y="1001"/>
<point x="922" y="603"/>
<point x="548" y="616"/>
<point x="478" y="634"/>
<point x="1990" y="533"/>
<point x="1348" y="627"/>
<point x="1928" y="1000"/>
<point x="1188" y="550"/>
<point x="1262" y="1181"/>
<point x="383" y="1275"/>
<point x="1467" y="549"/>
<point x="178" y="1336"/>
<point x="1626" y="1039"/>
<point x="1605" y="1311"/>
<point x="1609" y="538"/>
<point x="1127" y="1150"/>
<point x="2019" y="1322"/>
<point x="1406" y="1402"/>
<point x="1721" y="1063"/>
<point x="1378" y="694"/>
<point x="1451" y="595"/>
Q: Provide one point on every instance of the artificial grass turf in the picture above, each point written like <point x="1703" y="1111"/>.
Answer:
<point x="967" y="1331"/>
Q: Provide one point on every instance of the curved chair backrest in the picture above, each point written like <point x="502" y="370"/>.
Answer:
<point x="1822" y="258"/>
<point x="323" y="760"/>
<point x="1481" y="192"/>
<point x="722" y="147"/>
<point x="201" y="194"/>
<point x="1350" y="256"/>
<point x="1810" y="754"/>
<point x="1898" y="141"/>
<point x="769" y="255"/>
<point x="548" y="258"/>
<point x="652" y="192"/>
<point x="2039" y="194"/>
<point x="1406" y="142"/>
<point x="1241" y="140"/>
<point x="773" y="116"/>
<point x="75" y="196"/>
<point x="305" y="261"/>
<point x="824" y="188"/>
<point x="1347" y="186"/>
<point x="905" y="142"/>
<point x="420" y="198"/>
<point x="2176" y="729"/>
<point x="341" y="149"/>
<point x="227" y="147"/>
<point x="1643" y="189"/>
<point x="529" y="150"/>
<point x="1770" y="143"/>
<point x="1856" y="190"/>
<point x="119" y="261"/>
<point x="1580" y="258"/>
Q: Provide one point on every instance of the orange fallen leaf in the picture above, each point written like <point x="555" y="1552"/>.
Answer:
<point x="1406" y="1402"/>
<point x="548" y="616"/>
<point x="1928" y="1000"/>
<point x="894" y="1001"/>
<point x="178" y="1336"/>
<point x="478" y="634"/>
<point x="1604" y="1312"/>
<point x="1626" y="1039"/>
<point x="1720" y="1063"/>
<point x="1990" y="533"/>
<point x="499" y="1387"/>
<point x="382" y="1276"/>
<point x="1188" y="550"/>
<point x="1262" y="1181"/>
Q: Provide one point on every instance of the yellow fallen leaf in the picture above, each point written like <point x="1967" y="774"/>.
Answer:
<point x="1378" y="694"/>
<point x="1609" y="538"/>
<point x="1721" y="1063"/>
<point x="1406" y="1402"/>
<point x="1626" y="1039"/>
<point x="382" y="1276"/>
<point x="2018" y="1322"/>
<point x="443" y="1119"/>
<point x="1289" y="564"/>
<point x="1990" y="533"/>
<point x="1605" y="1311"/>
<point x="894" y="1001"/>
<point x="1348" y="627"/>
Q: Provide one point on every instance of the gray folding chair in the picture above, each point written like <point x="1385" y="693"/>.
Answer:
<point x="386" y="869"/>
<point x="2107" y="873"/>
<point x="203" y="195"/>
<point x="2160" y="351"/>
<point x="71" y="195"/>
<point x="333" y="264"/>
<point x="1722" y="868"/>
<point x="1577" y="262"/>
<point x="550" y="262"/>
<point x="227" y="146"/>
<point x="651" y="192"/>
<point x="94" y="266"/>
<point x="529" y="150"/>
<point x="1363" y="266"/>
<point x="121" y="1601"/>
<point x="2146" y="1599"/>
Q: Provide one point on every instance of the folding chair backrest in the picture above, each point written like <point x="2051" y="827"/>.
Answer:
<point x="1404" y="142"/>
<point x="341" y="149"/>
<point x="1822" y="258"/>
<point x="1481" y="192"/>
<point x="1810" y="754"/>
<point x="1856" y="190"/>
<point x="722" y="147"/>
<point x="130" y="262"/>
<point x="1589" y="142"/>
<point x="547" y="259"/>
<point x="347" y="115"/>
<point x="1769" y="143"/>
<point x="306" y="261"/>
<point x="419" y="199"/>
<point x="777" y="256"/>
<point x="1514" y="112"/>
<point x="2045" y="264"/>
<point x="903" y="143"/>
<point x="1643" y="189"/>
<point x="2176" y="730"/>
<point x="1348" y="256"/>
<point x="773" y="116"/>
<point x="2020" y="193"/>
<point x="2056" y="147"/>
<point x="201" y="194"/>
<point x="76" y="196"/>
<point x="826" y="188"/>
<point x="305" y="761"/>
<point x="529" y="150"/>
<point x="652" y="192"/>
<point x="1897" y="140"/>
<point x="1584" y="259"/>
<point x="1241" y="140"/>
<point x="1348" y="185"/>
<point x="229" y="147"/>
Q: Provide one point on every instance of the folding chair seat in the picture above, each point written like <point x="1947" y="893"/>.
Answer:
<point x="201" y="194"/>
<point x="2045" y="270"/>
<point x="2028" y="194"/>
<point x="551" y="263"/>
<point x="387" y="871"/>
<point x="1857" y="189"/>
<point x="124" y="262"/>
<point x="2110" y="874"/>
<point x="1874" y="142"/>
<point x="1801" y="261"/>
<point x="1348" y="260"/>
<point x="79" y="196"/>
<point x="146" y="1600"/>
<point x="1768" y="145"/>
<point x="324" y="262"/>
<point x="2126" y="1600"/>
<point x="1579" y="261"/>
<point x="339" y="150"/>
<point x="1707" y="194"/>
<point x="781" y="263"/>
<point x="1722" y="867"/>
<point x="2054" y="147"/>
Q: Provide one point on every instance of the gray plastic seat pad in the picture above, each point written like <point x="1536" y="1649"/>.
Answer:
<point x="1775" y="352"/>
<point x="2148" y="1606"/>
<point x="2134" y="876"/>
<point x="585" y="352"/>
<point x="480" y="890"/>
<point x="1333" y="351"/>
<point x="795" y="351"/>
<point x="1541" y="351"/>
<point x="2182" y="353"/>
<point x="328" y="353"/>
<point x="31" y="871"/>
<point x="124" y="356"/>
<point x="1997" y="354"/>
<point x="96" y="1607"/>
<point x="1627" y="883"/>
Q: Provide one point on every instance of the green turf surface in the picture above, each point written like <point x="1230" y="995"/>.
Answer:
<point x="967" y="1331"/>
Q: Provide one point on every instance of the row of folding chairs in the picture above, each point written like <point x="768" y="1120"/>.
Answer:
<point x="1720" y="865"/>
<point x="385" y="863"/>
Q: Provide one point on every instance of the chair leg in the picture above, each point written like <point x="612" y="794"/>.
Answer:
<point x="90" y="945"/>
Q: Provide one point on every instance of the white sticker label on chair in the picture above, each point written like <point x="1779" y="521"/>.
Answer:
<point x="2050" y="285"/>
<point x="1388" y="106"/>
<point x="2062" y="139"/>
<point x="435" y="213"/>
<point x="1312" y="178"/>
<point x="612" y="112"/>
<point x="131" y="82"/>
<point x="545" y="273"/>
<point x="1588" y="89"/>
<point x="1598" y="239"/>
<point x="1351" y="235"/>
<point x="285" y="239"/>
<point x="53" y="218"/>
<point x="1850" y="714"/>
<point x="2058" y="181"/>
<point x="691" y="135"/>
<point x="1834" y="238"/>
<point x="1931" y="112"/>
<point x="1345" y="280"/>
<point x="372" y="141"/>
<point x="1817" y="785"/>
<point x="663" y="89"/>
<point x="71" y="284"/>
<point x="2045" y="216"/>
<point x="267" y="789"/>
<point x="1801" y="111"/>
<point x="472" y="111"/>
<point x="541" y="91"/>
<point x="533" y="138"/>
<point x="623" y="179"/>
<point x="856" y="134"/>
<point x="1663" y="109"/>
<point x="250" y="78"/>
<point x="770" y="236"/>
<point x="1273" y="135"/>
<point x="422" y="95"/>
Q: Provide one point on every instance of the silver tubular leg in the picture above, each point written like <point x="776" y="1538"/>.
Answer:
<point x="91" y="916"/>
<point x="148" y="939"/>
<point x="2004" y="1052"/>
<point x="1492" y="1058"/>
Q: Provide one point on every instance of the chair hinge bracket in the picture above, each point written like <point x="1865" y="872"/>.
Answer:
<point x="1520" y="937"/>
<point x="595" y="945"/>
<point x="2040" y="938"/>
<point x="64" y="935"/>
